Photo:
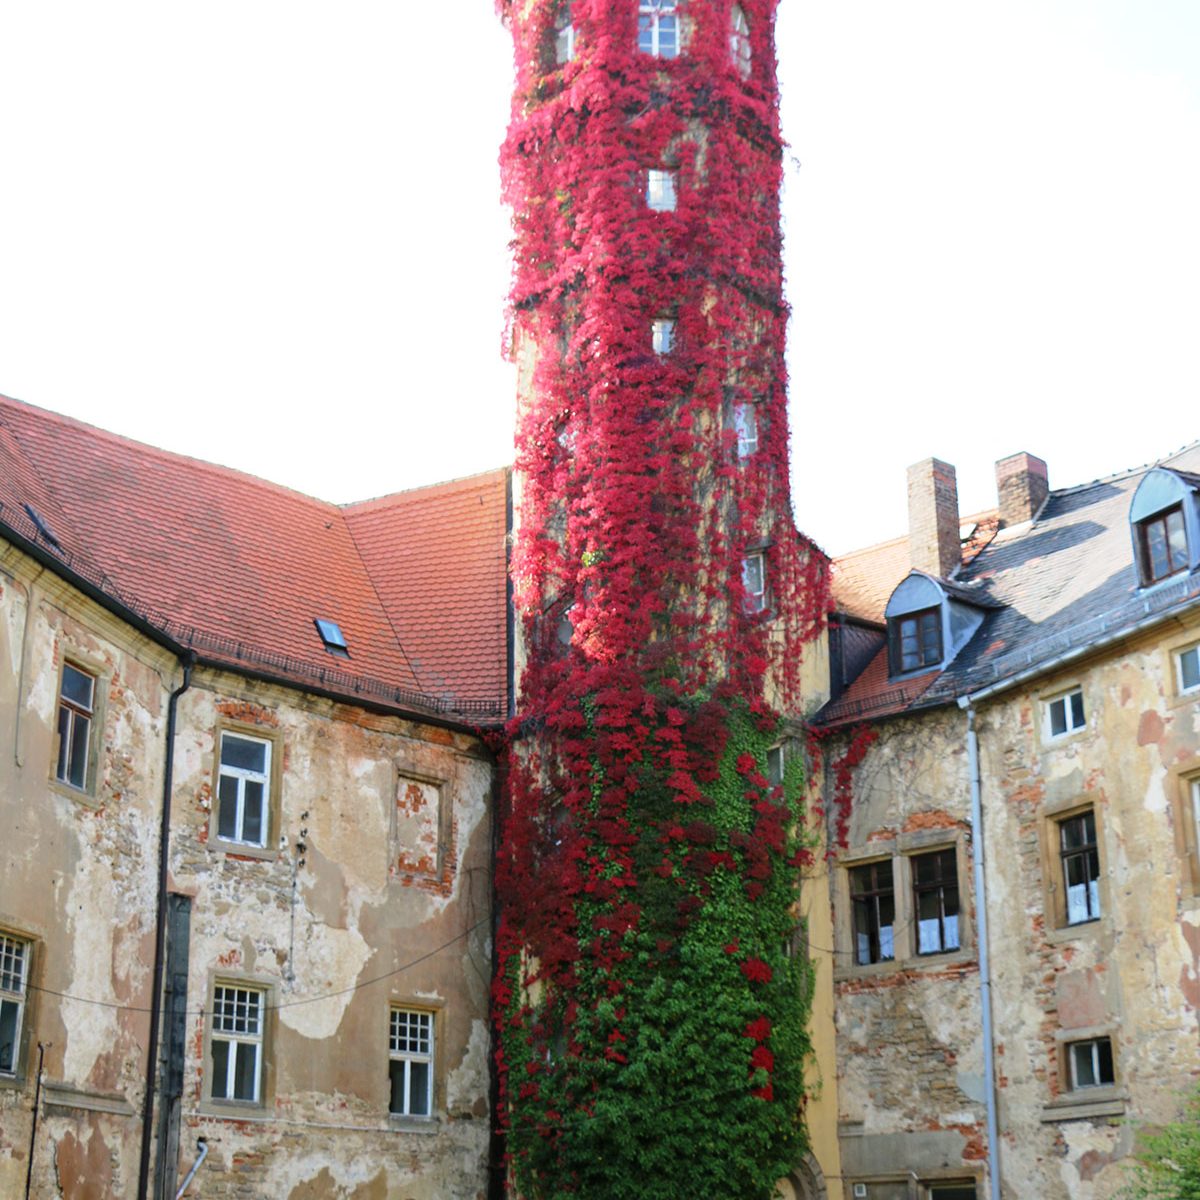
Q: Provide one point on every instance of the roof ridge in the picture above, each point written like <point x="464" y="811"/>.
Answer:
<point x="1127" y="472"/>
<point x="422" y="487"/>
<point x="160" y="452"/>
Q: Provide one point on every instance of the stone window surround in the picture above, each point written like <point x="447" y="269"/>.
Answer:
<point x="1171" y="648"/>
<point x="266" y="1088"/>
<point x="20" y="1074"/>
<point x="1053" y="883"/>
<point x="1183" y="796"/>
<point x="269" y="850"/>
<point x="900" y="850"/>
<point x="1105" y="1100"/>
<point x="436" y="1007"/>
<point x="917" y="1188"/>
<point x="102" y="676"/>
<point x="1046" y="697"/>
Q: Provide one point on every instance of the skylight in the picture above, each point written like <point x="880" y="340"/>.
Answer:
<point x="41" y="526"/>
<point x="332" y="636"/>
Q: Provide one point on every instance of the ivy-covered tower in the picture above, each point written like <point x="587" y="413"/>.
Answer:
<point x="650" y="1013"/>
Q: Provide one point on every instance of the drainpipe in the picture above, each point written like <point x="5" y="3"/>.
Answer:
<point x="37" y="1103"/>
<point x="985" y="975"/>
<point x="202" y="1146"/>
<point x="160" y="923"/>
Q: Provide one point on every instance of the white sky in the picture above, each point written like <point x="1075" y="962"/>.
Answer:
<point x="268" y="234"/>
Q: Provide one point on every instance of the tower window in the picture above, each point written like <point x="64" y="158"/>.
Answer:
<point x="754" y="582"/>
<point x="564" y="36"/>
<point x="658" y="28"/>
<point x="739" y="41"/>
<point x="660" y="190"/>
<point x="745" y="423"/>
<point x="662" y="333"/>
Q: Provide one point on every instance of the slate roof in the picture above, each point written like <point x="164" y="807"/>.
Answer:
<point x="1061" y="583"/>
<point x="238" y="568"/>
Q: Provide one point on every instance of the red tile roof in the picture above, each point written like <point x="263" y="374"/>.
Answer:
<point x="239" y="568"/>
<point x="873" y="694"/>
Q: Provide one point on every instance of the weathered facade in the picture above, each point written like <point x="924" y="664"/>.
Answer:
<point x="1058" y="744"/>
<point x="326" y="903"/>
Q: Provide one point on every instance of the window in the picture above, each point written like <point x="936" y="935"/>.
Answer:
<point x="745" y="422"/>
<point x="1080" y="867"/>
<point x="564" y="36"/>
<point x="76" y="710"/>
<point x="873" y="899"/>
<point x="660" y="190"/>
<point x="662" y="335"/>
<point x="1187" y="669"/>
<point x="1195" y="790"/>
<point x="237" y="1040"/>
<point x="754" y="583"/>
<point x="775" y="765"/>
<point x="658" y="28"/>
<point x="332" y="636"/>
<point x="1090" y="1063"/>
<point x="243" y="789"/>
<point x="916" y="640"/>
<point x="935" y="901"/>
<point x="411" y="1066"/>
<point x="14" y="975"/>
<point x="1064" y="714"/>
<point x="739" y="41"/>
<point x="951" y="1191"/>
<point x="1162" y="542"/>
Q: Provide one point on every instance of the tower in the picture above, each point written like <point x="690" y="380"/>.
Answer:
<point x="649" y="1013"/>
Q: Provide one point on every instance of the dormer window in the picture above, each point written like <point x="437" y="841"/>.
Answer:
<point x="754" y="583"/>
<point x="1165" y="524"/>
<point x="1163" y="543"/>
<point x="916" y="640"/>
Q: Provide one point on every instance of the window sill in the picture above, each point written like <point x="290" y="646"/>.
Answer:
<point x="917" y="965"/>
<point x="1087" y="1104"/>
<point x="234" y="1110"/>
<point x="243" y="850"/>
<point x="1069" y="933"/>
<point x="419" y="1125"/>
<point x="66" y="1101"/>
<point x="79" y="795"/>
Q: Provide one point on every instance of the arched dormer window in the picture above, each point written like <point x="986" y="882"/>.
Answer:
<point x="658" y="28"/>
<point x="564" y="35"/>
<point x="929" y="621"/>
<point x="739" y="41"/>
<point x="1165" y="524"/>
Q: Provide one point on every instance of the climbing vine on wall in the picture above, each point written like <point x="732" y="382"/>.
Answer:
<point x="650" y="1014"/>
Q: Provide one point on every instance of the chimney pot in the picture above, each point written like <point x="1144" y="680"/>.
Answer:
<point x="934" y="544"/>
<point x="1022" y="485"/>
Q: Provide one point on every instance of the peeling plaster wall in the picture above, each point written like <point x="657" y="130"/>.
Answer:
<point x="337" y="923"/>
<point x="1132" y="974"/>
<point x="909" y="1049"/>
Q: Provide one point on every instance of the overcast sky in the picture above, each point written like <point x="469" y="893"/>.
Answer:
<point x="268" y="234"/>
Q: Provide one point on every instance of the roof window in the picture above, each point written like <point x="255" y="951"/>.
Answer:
<point x="1165" y="525"/>
<point x="929" y="621"/>
<point x="41" y="525"/>
<point x="333" y="637"/>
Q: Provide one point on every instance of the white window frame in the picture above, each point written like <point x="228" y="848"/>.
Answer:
<point x="564" y="36"/>
<point x="1179" y="656"/>
<point x="401" y="1022"/>
<point x="740" y="53"/>
<point x="776" y="765"/>
<point x="662" y="194"/>
<point x="15" y="953"/>
<point x="1094" y="1045"/>
<point x="755" y="589"/>
<point x="250" y="1013"/>
<point x="241" y="776"/>
<point x="650" y="20"/>
<point x="745" y="423"/>
<point x="1069" y="719"/>
<point x="662" y="335"/>
<point x="71" y="715"/>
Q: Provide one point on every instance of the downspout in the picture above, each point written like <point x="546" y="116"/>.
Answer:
<point x="160" y="923"/>
<point x="985" y="975"/>
<point x="202" y="1146"/>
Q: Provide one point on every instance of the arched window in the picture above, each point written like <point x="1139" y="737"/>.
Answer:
<point x="739" y="41"/>
<point x="658" y="28"/>
<point x="564" y="35"/>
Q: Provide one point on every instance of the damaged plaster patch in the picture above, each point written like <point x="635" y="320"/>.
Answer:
<point x="327" y="960"/>
<point x="469" y="1080"/>
<point x="91" y="1029"/>
<point x="1155" y="799"/>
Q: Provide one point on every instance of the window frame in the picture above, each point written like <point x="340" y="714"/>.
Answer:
<point x="268" y="848"/>
<point x="650" y="20"/>
<point x="662" y="336"/>
<point x="741" y="53"/>
<point x="76" y="711"/>
<point x="896" y="641"/>
<point x="938" y="886"/>
<point x="1066" y="698"/>
<point x="745" y="427"/>
<point x="213" y="1035"/>
<point x="408" y="1058"/>
<point x="1177" y="657"/>
<point x="1145" y="559"/>
<point x="872" y="895"/>
<point x="21" y="999"/>
<point x="662" y="189"/>
<point x="1057" y="927"/>
<point x="755" y="601"/>
<point x="565" y="36"/>
<point x="243" y="776"/>
<point x="1089" y="852"/>
<point x="1070" y="1076"/>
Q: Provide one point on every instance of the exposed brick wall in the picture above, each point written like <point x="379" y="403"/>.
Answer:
<point x="1022" y="485"/>
<point x="933" y="527"/>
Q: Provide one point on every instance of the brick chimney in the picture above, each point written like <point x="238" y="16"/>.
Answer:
<point x="1022" y="485"/>
<point x="933" y="529"/>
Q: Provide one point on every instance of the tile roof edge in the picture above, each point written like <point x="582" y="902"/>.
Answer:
<point x="501" y="472"/>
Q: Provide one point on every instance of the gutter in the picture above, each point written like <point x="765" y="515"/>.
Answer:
<point x="985" y="975"/>
<point x="187" y="661"/>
